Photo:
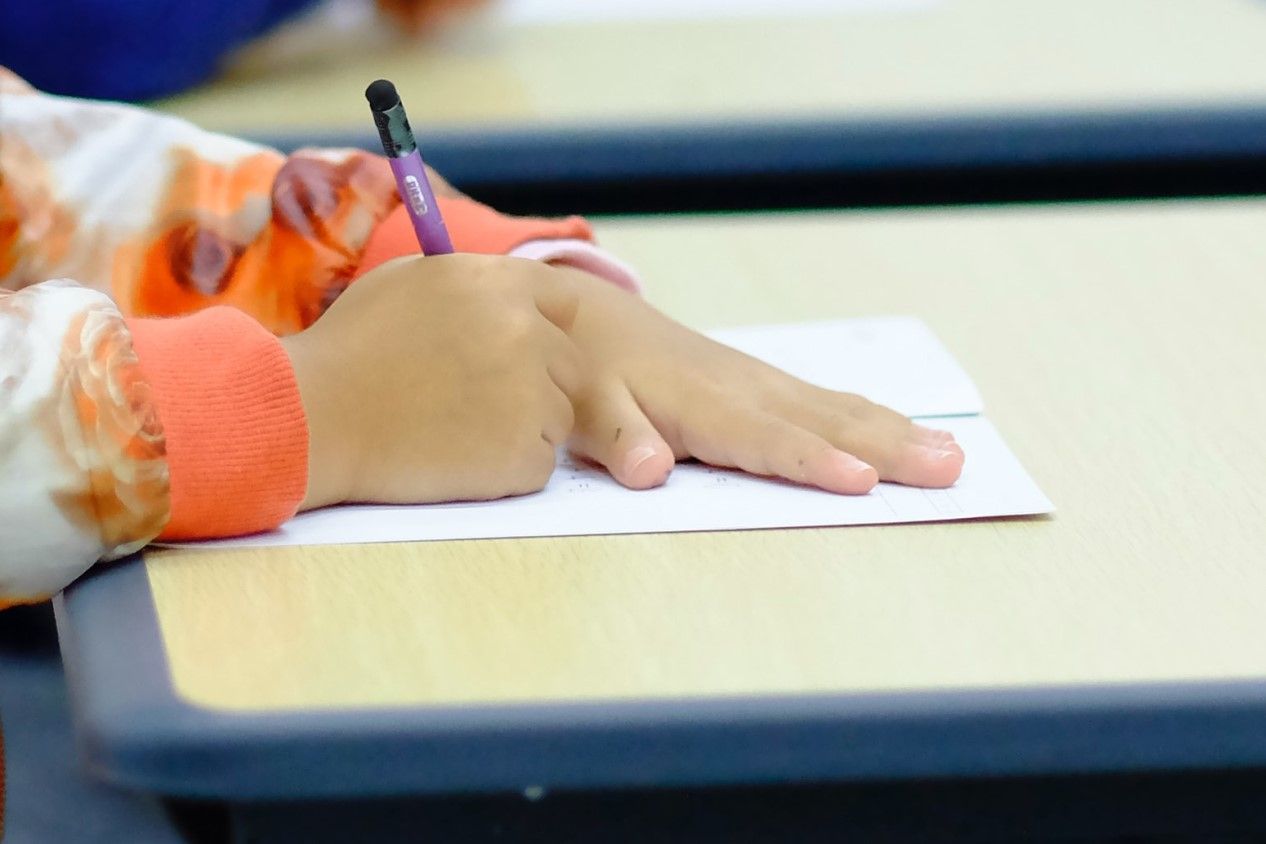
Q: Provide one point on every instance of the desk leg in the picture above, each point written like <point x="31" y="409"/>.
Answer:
<point x="1227" y="806"/>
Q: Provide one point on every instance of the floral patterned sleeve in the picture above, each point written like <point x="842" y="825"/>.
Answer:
<point x="168" y="219"/>
<point x="150" y="216"/>
<point x="82" y="469"/>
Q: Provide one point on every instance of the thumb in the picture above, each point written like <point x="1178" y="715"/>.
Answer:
<point x="556" y="299"/>
<point x="611" y="429"/>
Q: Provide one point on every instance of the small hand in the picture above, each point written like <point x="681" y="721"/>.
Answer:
<point x="658" y="392"/>
<point x="438" y="379"/>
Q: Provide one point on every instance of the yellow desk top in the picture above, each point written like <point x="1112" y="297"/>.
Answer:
<point x="1119" y="350"/>
<point x="945" y="57"/>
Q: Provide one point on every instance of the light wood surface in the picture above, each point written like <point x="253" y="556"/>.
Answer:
<point x="947" y="57"/>
<point x="1120" y="351"/>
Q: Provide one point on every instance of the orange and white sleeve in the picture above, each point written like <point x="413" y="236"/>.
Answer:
<point x="115" y="432"/>
<point x="169" y="219"/>
<point x="83" y="472"/>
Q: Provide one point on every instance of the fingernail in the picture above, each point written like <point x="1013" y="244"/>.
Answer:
<point x="852" y="464"/>
<point x="637" y="457"/>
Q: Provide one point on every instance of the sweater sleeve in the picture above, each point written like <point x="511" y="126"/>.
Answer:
<point x="477" y="228"/>
<point x="115" y="432"/>
<point x="236" y="433"/>
<point x="168" y="219"/>
<point x="83" y="469"/>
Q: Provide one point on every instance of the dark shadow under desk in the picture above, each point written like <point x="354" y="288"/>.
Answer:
<point x="50" y="799"/>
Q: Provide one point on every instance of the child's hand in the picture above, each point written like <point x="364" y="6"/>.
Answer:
<point x="659" y="392"/>
<point x="438" y="379"/>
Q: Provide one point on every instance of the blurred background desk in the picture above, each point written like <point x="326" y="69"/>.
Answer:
<point x="874" y="102"/>
<point x="1106" y="661"/>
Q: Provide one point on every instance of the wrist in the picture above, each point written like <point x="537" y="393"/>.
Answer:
<point x="328" y="444"/>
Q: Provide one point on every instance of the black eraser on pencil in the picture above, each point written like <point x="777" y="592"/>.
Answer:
<point x="382" y="95"/>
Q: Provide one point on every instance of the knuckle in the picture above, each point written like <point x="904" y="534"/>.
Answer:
<point x="702" y="398"/>
<point x="854" y="414"/>
<point x="772" y="429"/>
<point x="482" y="278"/>
<point x="537" y="466"/>
<point x="512" y="329"/>
<point x="517" y="324"/>
<point x="566" y="415"/>
<point x="861" y="408"/>
<point x="484" y="268"/>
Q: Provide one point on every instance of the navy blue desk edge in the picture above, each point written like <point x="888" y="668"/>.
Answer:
<point x="863" y="144"/>
<point x="134" y="730"/>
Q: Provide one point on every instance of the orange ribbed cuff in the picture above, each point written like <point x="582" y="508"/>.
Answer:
<point x="472" y="226"/>
<point x="237" y="436"/>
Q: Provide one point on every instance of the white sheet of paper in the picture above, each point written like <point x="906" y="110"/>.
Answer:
<point x="581" y="500"/>
<point x="895" y="360"/>
<point x="592" y="11"/>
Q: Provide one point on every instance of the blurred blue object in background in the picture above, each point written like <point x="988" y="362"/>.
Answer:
<point x="129" y="49"/>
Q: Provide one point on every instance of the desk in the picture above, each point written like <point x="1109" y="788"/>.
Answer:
<point x="935" y="85"/>
<point x="1118" y="348"/>
<point x="49" y="797"/>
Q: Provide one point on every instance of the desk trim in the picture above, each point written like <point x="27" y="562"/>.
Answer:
<point x="861" y="144"/>
<point x="134" y="731"/>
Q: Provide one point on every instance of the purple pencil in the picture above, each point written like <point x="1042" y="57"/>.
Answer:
<point x="406" y="162"/>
